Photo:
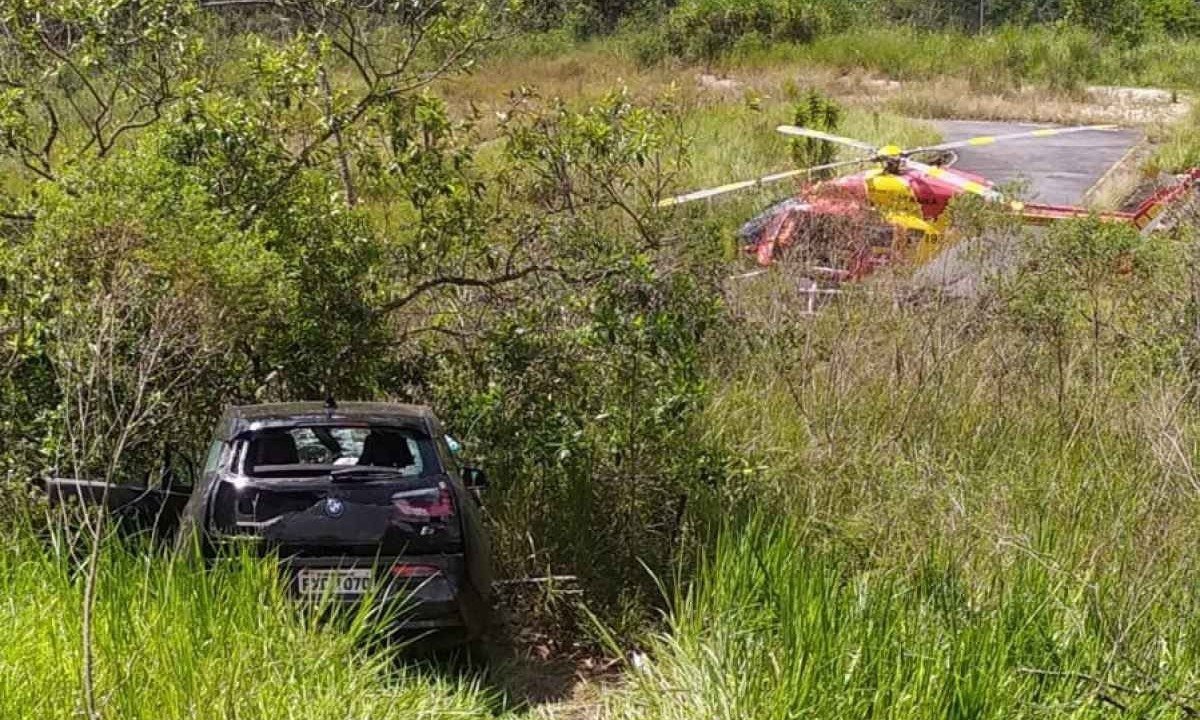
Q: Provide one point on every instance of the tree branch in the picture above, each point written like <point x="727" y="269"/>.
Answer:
<point x="456" y="281"/>
<point x="17" y="217"/>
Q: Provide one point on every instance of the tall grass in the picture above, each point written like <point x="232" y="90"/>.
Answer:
<point x="948" y="512"/>
<point x="1062" y="57"/>
<point x="1059" y="58"/>
<point x="1179" y="146"/>
<point x="774" y="629"/>
<point x="174" y="639"/>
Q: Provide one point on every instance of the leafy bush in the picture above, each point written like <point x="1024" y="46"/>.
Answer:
<point x="585" y="18"/>
<point x="143" y="269"/>
<point x="1061" y="46"/>
<point x="819" y="113"/>
<point x="582" y="397"/>
<point x="227" y="256"/>
<point x="706" y="29"/>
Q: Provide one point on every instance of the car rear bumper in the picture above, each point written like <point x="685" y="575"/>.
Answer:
<point x="437" y="601"/>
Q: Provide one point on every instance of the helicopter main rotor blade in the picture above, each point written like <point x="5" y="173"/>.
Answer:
<point x="989" y="139"/>
<point x="818" y="135"/>
<point x="952" y="178"/>
<point x="734" y="187"/>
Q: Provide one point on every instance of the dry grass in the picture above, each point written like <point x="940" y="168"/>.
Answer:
<point x="586" y="72"/>
<point x="731" y="123"/>
<point x="954" y="98"/>
<point x="731" y="109"/>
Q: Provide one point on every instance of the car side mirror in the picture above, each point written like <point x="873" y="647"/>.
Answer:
<point x="475" y="478"/>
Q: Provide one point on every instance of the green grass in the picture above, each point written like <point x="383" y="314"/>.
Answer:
<point x="926" y="531"/>
<point x="947" y="538"/>
<point x="738" y="141"/>
<point x="772" y="628"/>
<point x="176" y="640"/>
<point x="1179" y="145"/>
<point x="1059" y="57"/>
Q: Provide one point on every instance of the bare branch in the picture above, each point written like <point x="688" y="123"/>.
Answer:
<point x="456" y="281"/>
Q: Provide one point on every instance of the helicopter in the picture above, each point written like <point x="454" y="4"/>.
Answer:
<point x="897" y="207"/>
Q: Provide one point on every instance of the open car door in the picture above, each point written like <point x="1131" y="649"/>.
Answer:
<point x="152" y="506"/>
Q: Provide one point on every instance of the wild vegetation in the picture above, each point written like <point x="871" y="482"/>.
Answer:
<point x="979" y="511"/>
<point x="906" y="505"/>
<point x="175" y="639"/>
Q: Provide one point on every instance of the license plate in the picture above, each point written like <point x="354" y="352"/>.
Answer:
<point x="339" y="581"/>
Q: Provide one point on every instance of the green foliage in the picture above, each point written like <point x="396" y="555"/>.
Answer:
<point x="582" y="398"/>
<point x="584" y="18"/>
<point x="178" y="639"/>
<point x="724" y="24"/>
<point x="928" y="536"/>
<point x="586" y="417"/>
<point x="293" y="214"/>
<point x="704" y="30"/>
<point x="1108" y="283"/>
<point x="1065" y="46"/>
<point x="555" y="319"/>
<point x="817" y="112"/>
<point x="1176" y="17"/>
<point x="426" y="171"/>
<point x="81" y="77"/>
<point x="212" y="231"/>
<point x="1125" y="19"/>
<point x="774" y="628"/>
<point x="276" y="299"/>
<point x="1179" y="149"/>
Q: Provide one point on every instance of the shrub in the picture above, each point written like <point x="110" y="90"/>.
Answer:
<point x="818" y="112"/>
<point x="704" y="30"/>
<point x="582" y="395"/>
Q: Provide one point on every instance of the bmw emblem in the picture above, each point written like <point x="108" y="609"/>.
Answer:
<point x="334" y="507"/>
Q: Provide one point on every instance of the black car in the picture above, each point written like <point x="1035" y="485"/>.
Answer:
<point x="354" y="498"/>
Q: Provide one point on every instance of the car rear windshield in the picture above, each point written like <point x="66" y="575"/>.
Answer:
<point x="317" y="450"/>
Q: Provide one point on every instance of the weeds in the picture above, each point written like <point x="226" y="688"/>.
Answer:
<point x="176" y="639"/>
<point x="967" y="509"/>
<point x="978" y="509"/>
<point x="774" y="628"/>
<point x="1179" y="147"/>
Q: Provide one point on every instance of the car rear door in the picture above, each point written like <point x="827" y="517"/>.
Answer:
<point x="150" y="506"/>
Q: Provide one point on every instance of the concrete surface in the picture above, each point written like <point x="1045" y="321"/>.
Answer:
<point x="1060" y="169"/>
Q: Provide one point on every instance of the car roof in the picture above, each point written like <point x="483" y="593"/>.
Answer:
<point x="238" y="419"/>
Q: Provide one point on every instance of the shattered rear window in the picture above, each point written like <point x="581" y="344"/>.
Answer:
<point x="321" y="449"/>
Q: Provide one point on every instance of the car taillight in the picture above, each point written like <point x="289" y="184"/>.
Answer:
<point x="432" y="503"/>
<point x="405" y="570"/>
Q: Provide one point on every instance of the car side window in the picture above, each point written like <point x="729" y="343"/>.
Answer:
<point x="448" y="454"/>
<point x="212" y="461"/>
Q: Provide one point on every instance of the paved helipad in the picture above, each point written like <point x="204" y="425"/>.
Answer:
<point x="1060" y="169"/>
